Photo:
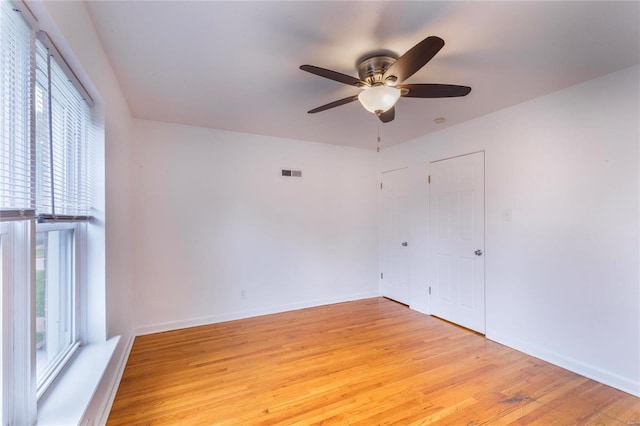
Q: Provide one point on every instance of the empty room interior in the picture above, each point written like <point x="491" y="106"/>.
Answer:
<point x="421" y="212"/>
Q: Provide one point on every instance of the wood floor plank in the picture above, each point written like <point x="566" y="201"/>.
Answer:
<point x="369" y="362"/>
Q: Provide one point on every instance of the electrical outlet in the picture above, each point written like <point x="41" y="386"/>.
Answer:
<point x="506" y="215"/>
<point x="243" y="294"/>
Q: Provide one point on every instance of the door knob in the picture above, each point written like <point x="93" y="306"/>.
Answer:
<point x="404" y="244"/>
<point x="478" y="252"/>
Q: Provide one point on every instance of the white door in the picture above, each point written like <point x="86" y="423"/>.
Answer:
<point x="456" y="240"/>
<point x="394" y="236"/>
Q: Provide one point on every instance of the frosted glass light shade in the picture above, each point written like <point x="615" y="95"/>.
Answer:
<point x="378" y="99"/>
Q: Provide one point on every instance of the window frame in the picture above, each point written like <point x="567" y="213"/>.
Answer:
<point x="18" y="309"/>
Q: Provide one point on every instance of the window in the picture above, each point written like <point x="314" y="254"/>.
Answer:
<point x="63" y="140"/>
<point x="62" y="147"/>
<point x="46" y="131"/>
<point x="55" y="300"/>
<point x="17" y="210"/>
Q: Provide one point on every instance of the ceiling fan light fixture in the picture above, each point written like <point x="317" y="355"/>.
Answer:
<point x="378" y="99"/>
<point x="381" y="79"/>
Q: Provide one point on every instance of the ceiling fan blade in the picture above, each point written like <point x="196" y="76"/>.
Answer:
<point x="388" y="115"/>
<point x="333" y="75"/>
<point x="433" y="90"/>
<point x="414" y="59"/>
<point x="333" y="104"/>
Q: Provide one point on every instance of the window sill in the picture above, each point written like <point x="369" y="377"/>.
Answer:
<point x="68" y="397"/>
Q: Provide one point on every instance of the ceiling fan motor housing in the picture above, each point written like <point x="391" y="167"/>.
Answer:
<point x="371" y="70"/>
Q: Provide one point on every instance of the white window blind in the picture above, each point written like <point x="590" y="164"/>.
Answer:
<point x="17" y="180"/>
<point x="63" y="141"/>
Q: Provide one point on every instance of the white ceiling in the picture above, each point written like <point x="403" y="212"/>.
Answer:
<point x="234" y="65"/>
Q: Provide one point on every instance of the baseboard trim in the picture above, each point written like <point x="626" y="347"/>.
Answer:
<point x="420" y="308"/>
<point x="231" y="316"/>
<point x="606" y="377"/>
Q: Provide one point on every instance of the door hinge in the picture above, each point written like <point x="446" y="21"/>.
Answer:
<point x="381" y="275"/>
<point x="380" y="185"/>
<point x="429" y="179"/>
<point x="429" y="289"/>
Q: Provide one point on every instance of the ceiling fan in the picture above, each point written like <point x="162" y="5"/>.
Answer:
<point x="381" y="76"/>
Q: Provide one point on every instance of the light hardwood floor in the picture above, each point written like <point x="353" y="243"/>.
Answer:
<point x="369" y="362"/>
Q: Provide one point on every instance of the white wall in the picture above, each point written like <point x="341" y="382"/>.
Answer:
<point x="562" y="279"/>
<point x="71" y="28"/>
<point x="214" y="217"/>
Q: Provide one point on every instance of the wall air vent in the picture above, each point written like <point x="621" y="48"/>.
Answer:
<point x="291" y="173"/>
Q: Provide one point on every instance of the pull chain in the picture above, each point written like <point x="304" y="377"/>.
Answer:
<point x="378" y="150"/>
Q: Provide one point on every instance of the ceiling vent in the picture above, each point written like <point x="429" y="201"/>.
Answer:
<point x="291" y="173"/>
